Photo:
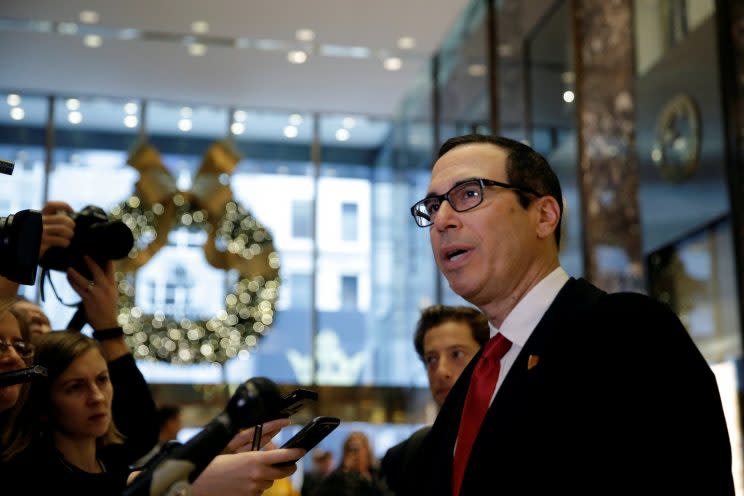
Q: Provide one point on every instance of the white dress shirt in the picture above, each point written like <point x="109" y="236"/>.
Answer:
<point x="523" y="318"/>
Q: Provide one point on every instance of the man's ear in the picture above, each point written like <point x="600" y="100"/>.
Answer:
<point x="549" y="213"/>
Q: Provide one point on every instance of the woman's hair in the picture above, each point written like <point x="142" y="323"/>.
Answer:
<point x="29" y="422"/>
<point x="358" y="437"/>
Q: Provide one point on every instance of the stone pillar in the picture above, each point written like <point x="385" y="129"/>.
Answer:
<point x="608" y="166"/>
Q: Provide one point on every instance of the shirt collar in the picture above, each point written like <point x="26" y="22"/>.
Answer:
<point x="523" y="318"/>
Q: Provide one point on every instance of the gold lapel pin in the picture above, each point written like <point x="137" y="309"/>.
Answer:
<point x="532" y="361"/>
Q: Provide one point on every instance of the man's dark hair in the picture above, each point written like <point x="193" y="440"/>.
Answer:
<point x="439" y="314"/>
<point x="167" y="412"/>
<point x="524" y="168"/>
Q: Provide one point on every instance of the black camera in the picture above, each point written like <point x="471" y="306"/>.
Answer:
<point x="20" y="238"/>
<point x="96" y="236"/>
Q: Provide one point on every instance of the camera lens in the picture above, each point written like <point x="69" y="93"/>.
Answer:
<point x="20" y="239"/>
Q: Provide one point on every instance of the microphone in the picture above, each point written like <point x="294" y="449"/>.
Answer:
<point x="22" y="375"/>
<point x="255" y="401"/>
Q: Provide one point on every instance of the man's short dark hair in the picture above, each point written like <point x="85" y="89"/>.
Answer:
<point x="439" y="314"/>
<point x="524" y="167"/>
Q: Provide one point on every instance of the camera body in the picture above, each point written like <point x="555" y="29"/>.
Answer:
<point x="96" y="236"/>
<point x="20" y="239"/>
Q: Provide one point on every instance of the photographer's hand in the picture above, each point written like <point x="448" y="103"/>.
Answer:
<point x="58" y="226"/>
<point x="100" y="302"/>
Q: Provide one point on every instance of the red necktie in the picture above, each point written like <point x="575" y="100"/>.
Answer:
<point x="482" y="385"/>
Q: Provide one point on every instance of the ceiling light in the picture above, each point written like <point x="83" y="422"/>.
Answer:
<point x="75" y="117"/>
<point x="348" y="122"/>
<point x="406" y="43"/>
<point x="477" y="70"/>
<point x="240" y="115"/>
<point x="67" y="28"/>
<point x="200" y="27"/>
<point x="305" y="35"/>
<point x="297" y="57"/>
<point x="295" y="119"/>
<point x="197" y="49"/>
<point x="17" y="113"/>
<point x="184" y="125"/>
<point x="72" y="104"/>
<point x="237" y="128"/>
<point x="14" y="100"/>
<point x="131" y="108"/>
<point x="131" y="121"/>
<point x="92" y="40"/>
<point x="186" y="112"/>
<point x="342" y="134"/>
<point x="290" y="131"/>
<point x="88" y="17"/>
<point x="568" y="96"/>
<point x="392" y="63"/>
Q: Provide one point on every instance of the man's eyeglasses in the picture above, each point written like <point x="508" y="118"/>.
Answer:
<point x="24" y="349"/>
<point x="462" y="197"/>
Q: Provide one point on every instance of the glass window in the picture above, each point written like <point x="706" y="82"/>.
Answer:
<point x="274" y="177"/>
<point x="302" y="221"/>
<point x="349" y="222"/>
<point x="349" y="292"/>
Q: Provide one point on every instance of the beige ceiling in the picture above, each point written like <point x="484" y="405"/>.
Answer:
<point x="249" y="77"/>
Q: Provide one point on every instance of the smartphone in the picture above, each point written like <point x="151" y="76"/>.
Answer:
<point x="309" y="436"/>
<point x="294" y="401"/>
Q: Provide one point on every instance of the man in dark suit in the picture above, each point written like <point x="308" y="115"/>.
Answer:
<point x="446" y="339"/>
<point x="578" y="391"/>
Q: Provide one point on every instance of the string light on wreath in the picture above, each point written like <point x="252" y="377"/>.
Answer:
<point x="249" y="304"/>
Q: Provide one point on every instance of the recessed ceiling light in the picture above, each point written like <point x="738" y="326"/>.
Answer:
<point x="17" y="113"/>
<point x="406" y="43"/>
<point x="14" y="100"/>
<point x="75" y="117"/>
<point x="131" y="121"/>
<point x="295" y="119"/>
<point x="348" y="122"/>
<point x="290" y="131"/>
<point x="92" y="40"/>
<point x="72" y="104"/>
<point x="568" y="96"/>
<point x="88" y="17"/>
<point x="392" y="63"/>
<point x="477" y="70"/>
<point x="197" y="49"/>
<point x="237" y="128"/>
<point x="184" y="125"/>
<point x="342" y="134"/>
<point x="200" y="27"/>
<point x="297" y="57"/>
<point x="131" y="108"/>
<point x="305" y="35"/>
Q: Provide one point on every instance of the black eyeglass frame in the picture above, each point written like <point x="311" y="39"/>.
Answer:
<point x="26" y="348"/>
<point x="419" y="214"/>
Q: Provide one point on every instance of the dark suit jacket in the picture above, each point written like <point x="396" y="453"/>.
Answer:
<point x="620" y="402"/>
<point x="395" y="464"/>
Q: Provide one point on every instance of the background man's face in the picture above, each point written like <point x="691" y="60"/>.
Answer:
<point x="448" y="349"/>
